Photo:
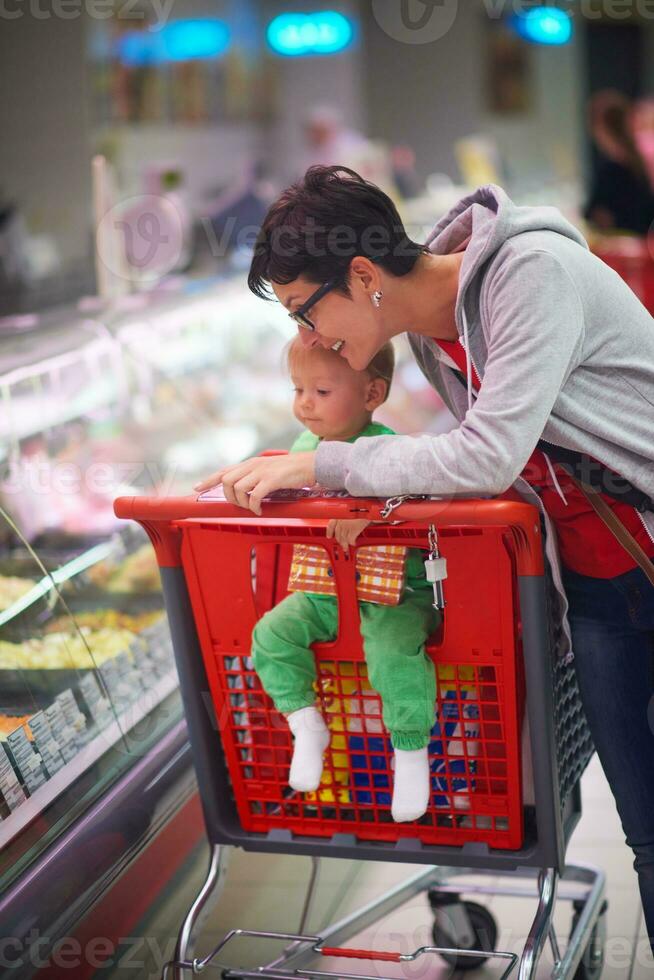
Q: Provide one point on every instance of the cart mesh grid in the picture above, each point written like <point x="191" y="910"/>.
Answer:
<point x="574" y="744"/>
<point x="237" y="572"/>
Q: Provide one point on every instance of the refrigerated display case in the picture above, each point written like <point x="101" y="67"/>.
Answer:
<point x="148" y="399"/>
<point x="94" y="763"/>
<point x="85" y="659"/>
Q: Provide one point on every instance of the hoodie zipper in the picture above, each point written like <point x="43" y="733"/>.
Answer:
<point x="472" y="394"/>
<point x="642" y="521"/>
<point x="462" y="342"/>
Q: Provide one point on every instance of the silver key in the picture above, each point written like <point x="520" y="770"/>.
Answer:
<point x="436" y="569"/>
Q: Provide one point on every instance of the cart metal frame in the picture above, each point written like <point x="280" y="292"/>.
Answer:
<point x="560" y="747"/>
<point x="581" y="885"/>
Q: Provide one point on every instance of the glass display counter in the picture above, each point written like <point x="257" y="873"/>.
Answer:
<point x="85" y="661"/>
<point x="144" y="400"/>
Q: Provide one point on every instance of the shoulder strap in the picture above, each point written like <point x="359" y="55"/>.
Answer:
<point x="617" y="529"/>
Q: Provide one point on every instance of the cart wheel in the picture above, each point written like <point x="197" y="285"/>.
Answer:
<point x="484" y="928"/>
<point x="592" y="962"/>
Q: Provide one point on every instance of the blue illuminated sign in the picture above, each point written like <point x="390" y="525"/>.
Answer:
<point x="324" y="32"/>
<point x="184" y="39"/>
<point x="544" y="25"/>
<point x="180" y="40"/>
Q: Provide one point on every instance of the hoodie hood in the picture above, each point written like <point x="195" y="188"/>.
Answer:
<point x="483" y="222"/>
<point x="489" y="218"/>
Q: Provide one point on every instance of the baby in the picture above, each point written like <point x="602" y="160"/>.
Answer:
<point x="333" y="401"/>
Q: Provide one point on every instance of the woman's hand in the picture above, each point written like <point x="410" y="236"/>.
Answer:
<point x="246" y="484"/>
<point x="346" y="531"/>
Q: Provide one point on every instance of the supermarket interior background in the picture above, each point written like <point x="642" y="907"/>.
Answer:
<point x="142" y="143"/>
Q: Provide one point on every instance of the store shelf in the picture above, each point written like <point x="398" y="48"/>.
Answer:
<point x="112" y="838"/>
<point x="61" y="387"/>
<point x="101" y="743"/>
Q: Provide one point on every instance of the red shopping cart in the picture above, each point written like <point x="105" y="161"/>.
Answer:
<point x="222" y="567"/>
<point x="633" y="259"/>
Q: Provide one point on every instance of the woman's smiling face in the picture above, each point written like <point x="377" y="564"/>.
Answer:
<point x="352" y="320"/>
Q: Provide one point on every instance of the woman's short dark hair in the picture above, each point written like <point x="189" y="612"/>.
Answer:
<point x="317" y="226"/>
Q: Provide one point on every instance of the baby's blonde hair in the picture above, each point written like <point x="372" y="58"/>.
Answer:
<point x="381" y="366"/>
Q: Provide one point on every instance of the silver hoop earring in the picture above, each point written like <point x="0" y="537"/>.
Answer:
<point x="377" y="298"/>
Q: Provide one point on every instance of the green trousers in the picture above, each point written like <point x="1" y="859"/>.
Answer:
<point x="394" y="646"/>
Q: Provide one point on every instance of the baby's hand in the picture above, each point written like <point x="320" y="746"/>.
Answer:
<point x="346" y="532"/>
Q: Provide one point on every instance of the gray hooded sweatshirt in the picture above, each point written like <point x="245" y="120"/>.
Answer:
<point x="564" y="351"/>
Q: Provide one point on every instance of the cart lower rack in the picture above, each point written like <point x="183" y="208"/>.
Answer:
<point x="499" y="684"/>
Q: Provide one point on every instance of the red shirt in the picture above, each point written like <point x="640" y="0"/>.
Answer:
<point x="585" y="543"/>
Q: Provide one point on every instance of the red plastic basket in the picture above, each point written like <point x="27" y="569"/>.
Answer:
<point x="236" y="569"/>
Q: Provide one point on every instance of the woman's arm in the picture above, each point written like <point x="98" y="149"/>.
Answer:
<point x="536" y="334"/>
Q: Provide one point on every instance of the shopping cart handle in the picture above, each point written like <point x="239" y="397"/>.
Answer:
<point x="360" y="954"/>
<point x="445" y="513"/>
<point x="162" y="518"/>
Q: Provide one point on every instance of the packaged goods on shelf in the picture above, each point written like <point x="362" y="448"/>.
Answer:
<point x="9" y="723"/>
<point x="97" y="619"/>
<point x="65" y="651"/>
<point x="12" y="588"/>
<point x="138" y="572"/>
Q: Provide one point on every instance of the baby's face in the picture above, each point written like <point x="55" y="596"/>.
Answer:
<point x="330" y="397"/>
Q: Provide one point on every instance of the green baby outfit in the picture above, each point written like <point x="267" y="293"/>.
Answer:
<point x="393" y="642"/>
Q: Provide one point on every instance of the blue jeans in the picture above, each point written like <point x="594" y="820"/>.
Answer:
<point x="612" y="624"/>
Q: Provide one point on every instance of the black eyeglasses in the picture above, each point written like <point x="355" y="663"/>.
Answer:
<point x="300" y="314"/>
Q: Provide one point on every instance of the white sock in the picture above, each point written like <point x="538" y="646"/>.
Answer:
<point x="311" y="739"/>
<point x="411" y="784"/>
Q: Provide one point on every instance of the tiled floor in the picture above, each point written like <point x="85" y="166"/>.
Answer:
<point x="265" y="892"/>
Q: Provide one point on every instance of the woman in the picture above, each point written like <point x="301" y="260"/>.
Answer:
<point x="527" y="336"/>
<point x="621" y="195"/>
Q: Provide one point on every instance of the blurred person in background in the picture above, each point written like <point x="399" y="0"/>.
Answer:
<point x="14" y="263"/>
<point x="642" y="119"/>
<point x="621" y="197"/>
<point x="327" y="140"/>
<point x="403" y="164"/>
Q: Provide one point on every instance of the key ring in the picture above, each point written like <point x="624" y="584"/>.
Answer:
<point x="394" y="502"/>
